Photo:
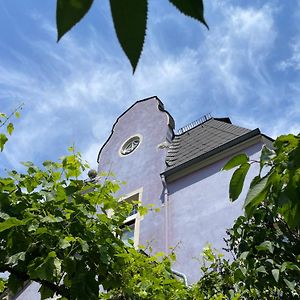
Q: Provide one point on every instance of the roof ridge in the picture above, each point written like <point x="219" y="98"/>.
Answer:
<point x="224" y="120"/>
<point x="194" y="124"/>
<point x="228" y="131"/>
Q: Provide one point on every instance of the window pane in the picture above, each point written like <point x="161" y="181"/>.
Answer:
<point x="128" y="233"/>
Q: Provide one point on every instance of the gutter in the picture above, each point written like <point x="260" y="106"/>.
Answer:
<point x="215" y="151"/>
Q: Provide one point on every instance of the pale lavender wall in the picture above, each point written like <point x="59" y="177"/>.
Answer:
<point x="200" y="212"/>
<point x="31" y="292"/>
<point x="142" y="168"/>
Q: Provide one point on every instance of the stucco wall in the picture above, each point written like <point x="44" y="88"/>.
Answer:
<point x="142" y="168"/>
<point x="200" y="212"/>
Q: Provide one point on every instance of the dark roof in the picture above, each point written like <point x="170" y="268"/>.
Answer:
<point x="202" y="139"/>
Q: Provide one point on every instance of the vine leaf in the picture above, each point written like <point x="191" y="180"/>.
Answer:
<point x="69" y="13"/>
<point x="3" y="140"/>
<point x="256" y="194"/>
<point x="236" y="161"/>
<point x="191" y="8"/>
<point x="265" y="246"/>
<point x="11" y="222"/>
<point x="130" y="20"/>
<point x="237" y="181"/>
<point x="10" y="128"/>
<point x="275" y="273"/>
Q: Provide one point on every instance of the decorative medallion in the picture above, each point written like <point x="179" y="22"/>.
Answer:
<point x="130" y="145"/>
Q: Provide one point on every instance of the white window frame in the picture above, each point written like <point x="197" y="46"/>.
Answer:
<point x="136" y="217"/>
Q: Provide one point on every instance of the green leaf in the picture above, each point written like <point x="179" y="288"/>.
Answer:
<point x="17" y="114"/>
<point x="237" y="181"/>
<point x="3" y="215"/>
<point x="2" y="285"/>
<point x="28" y="164"/>
<point x="14" y="283"/>
<point x="265" y="246"/>
<point x="10" y="128"/>
<point x="256" y="194"/>
<point x="261" y="269"/>
<point x="244" y="254"/>
<point x="63" y="244"/>
<point x="130" y="19"/>
<point x="236" y="161"/>
<point x="84" y="245"/>
<point x="9" y="223"/>
<point x="3" y="140"/>
<point x="16" y="257"/>
<point x="45" y="269"/>
<point x="275" y="273"/>
<point x="68" y="13"/>
<point x="46" y="293"/>
<point x="290" y="266"/>
<point x="191" y="8"/>
<point x="290" y="285"/>
<point x="265" y="156"/>
<point x="51" y="219"/>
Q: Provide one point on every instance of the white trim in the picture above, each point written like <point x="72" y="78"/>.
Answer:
<point x="137" y="217"/>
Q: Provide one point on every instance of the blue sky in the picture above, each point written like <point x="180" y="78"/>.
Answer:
<point x="247" y="67"/>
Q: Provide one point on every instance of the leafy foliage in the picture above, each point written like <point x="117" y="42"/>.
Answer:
<point x="266" y="261"/>
<point x="280" y="186"/>
<point x="129" y="18"/>
<point x="64" y="232"/>
<point x="265" y="243"/>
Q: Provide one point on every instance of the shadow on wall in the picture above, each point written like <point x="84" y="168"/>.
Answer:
<point x="204" y="173"/>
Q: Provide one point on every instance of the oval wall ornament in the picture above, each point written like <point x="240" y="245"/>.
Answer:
<point x="130" y="145"/>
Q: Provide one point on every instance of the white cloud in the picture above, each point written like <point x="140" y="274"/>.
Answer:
<point x="74" y="91"/>
<point x="293" y="61"/>
<point x="237" y="49"/>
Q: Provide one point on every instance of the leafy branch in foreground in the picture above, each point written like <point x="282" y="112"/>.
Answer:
<point x="9" y="127"/>
<point x="265" y="243"/>
<point x="129" y="18"/>
<point x="278" y="181"/>
<point x="63" y="233"/>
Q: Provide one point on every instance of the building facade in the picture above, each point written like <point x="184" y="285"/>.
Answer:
<point x="178" y="173"/>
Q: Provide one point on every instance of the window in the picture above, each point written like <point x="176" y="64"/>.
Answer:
<point x="131" y="226"/>
<point x="130" y="145"/>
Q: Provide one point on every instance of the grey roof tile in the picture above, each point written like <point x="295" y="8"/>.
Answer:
<point x="201" y="139"/>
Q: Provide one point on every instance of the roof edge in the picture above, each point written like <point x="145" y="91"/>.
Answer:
<point x="160" y="107"/>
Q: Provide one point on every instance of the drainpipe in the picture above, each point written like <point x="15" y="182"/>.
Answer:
<point x="166" y="206"/>
<point x="183" y="276"/>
